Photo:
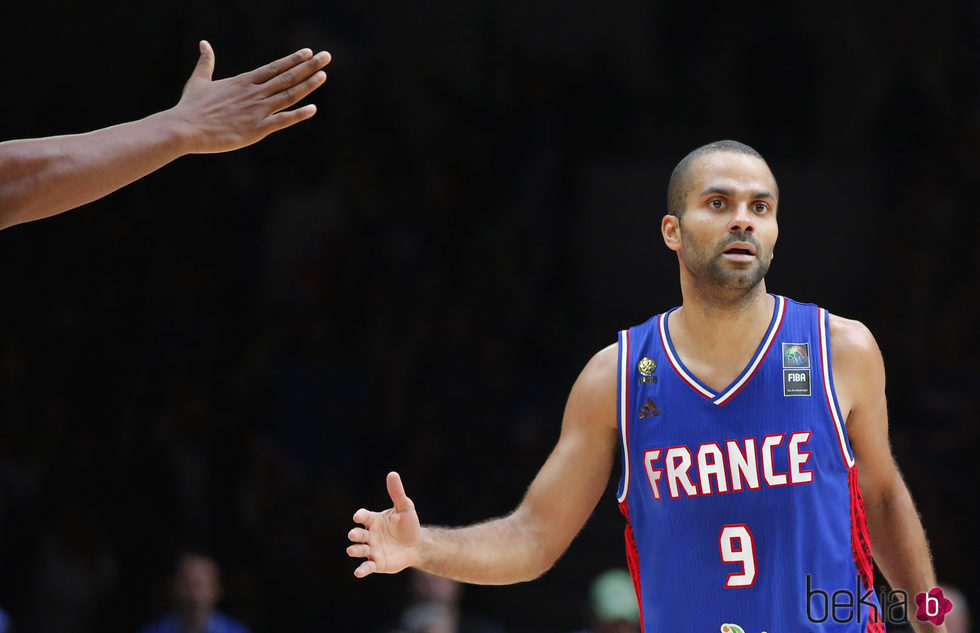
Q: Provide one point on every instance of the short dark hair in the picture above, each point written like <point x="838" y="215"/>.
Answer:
<point x="680" y="177"/>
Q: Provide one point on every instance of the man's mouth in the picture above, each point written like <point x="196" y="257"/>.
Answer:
<point x="741" y="248"/>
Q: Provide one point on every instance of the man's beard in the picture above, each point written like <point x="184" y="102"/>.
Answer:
<point x="707" y="263"/>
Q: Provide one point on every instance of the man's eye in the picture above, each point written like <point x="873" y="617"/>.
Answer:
<point x="761" y="207"/>
<point x="716" y="203"/>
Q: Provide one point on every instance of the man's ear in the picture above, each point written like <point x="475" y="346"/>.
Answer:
<point x="670" y="228"/>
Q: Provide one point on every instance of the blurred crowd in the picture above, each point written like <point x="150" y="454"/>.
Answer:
<point x="230" y="355"/>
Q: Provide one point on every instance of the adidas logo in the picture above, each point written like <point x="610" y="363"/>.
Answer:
<point x="649" y="409"/>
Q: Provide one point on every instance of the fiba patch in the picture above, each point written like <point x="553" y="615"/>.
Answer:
<point x="796" y="369"/>
<point x="796" y="355"/>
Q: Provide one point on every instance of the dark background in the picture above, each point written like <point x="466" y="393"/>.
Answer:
<point x="231" y="353"/>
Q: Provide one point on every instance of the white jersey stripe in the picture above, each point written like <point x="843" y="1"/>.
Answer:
<point x="828" y="389"/>
<point x="677" y="366"/>
<point x="624" y="413"/>
<point x="777" y="322"/>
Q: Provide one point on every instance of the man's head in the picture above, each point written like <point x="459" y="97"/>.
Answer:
<point x="197" y="586"/>
<point x="721" y="216"/>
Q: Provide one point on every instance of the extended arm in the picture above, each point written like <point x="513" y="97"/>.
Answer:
<point x="45" y="176"/>
<point x="524" y="544"/>
<point x="898" y="540"/>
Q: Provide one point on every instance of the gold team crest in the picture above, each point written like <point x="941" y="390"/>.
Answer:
<point x="646" y="367"/>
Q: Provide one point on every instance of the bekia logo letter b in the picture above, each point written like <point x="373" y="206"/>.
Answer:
<point x="933" y="606"/>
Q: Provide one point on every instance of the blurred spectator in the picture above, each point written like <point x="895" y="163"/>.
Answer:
<point x="4" y="622"/>
<point x="612" y="604"/>
<point x="428" y="617"/>
<point x="435" y="608"/>
<point x="74" y="570"/>
<point x="957" y="620"/>
<point x="197" y="589"/>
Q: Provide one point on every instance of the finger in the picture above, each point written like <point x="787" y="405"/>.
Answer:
<point x="282" y="120"/>
<point x="396" y="490"/>
<point x="296" y="75"/>
<point x="295" y="94"/>
<point x="205" y="63"/>
<point x="358" y="551"/>
<point x="359" y="535"/>
<point x="364" y="517"/>
<point x="366" y="568"/>
<point x="263" y="74"/>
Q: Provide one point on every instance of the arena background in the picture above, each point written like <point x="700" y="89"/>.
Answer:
<point x="230" y="354"/>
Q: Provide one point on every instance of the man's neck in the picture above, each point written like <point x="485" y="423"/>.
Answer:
<point x="716" y="333"/>
<point x="194" y="621"/>
<point x="717" y="305"/>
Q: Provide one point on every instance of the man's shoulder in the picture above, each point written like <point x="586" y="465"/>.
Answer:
<point x="850" y="339"/>
<point x="601" y="368"/>
<point x="222" y="623"/>
<point x="855" y="353"/>
<point x="850" y="336"/>
<point x="606" y="357"/>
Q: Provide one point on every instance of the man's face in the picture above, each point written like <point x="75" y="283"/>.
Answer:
<point x="728" y="230"/>
<point x="196" y="586"/>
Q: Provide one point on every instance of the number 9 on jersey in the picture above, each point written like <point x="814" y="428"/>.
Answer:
<point x="737" y="547"/>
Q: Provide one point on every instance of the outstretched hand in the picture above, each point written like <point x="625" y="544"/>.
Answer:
<point x="388" y="539"/>
<point x="231" y="113"/>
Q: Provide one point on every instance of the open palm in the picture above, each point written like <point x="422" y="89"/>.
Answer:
<point x="388" y="539"/>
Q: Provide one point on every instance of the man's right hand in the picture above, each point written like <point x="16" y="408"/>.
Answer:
<point x="227" y="114"/>
<point x="388" y="539"/>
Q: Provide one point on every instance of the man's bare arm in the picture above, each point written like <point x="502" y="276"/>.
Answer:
<point x="45" y="176"/>
<point x="898" y="540"/>
<point x="527" y="542"/>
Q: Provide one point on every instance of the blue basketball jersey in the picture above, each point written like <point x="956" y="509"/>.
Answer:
<point x="742" y="507"/>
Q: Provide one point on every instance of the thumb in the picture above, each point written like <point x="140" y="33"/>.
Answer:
<point x="396" y="490"/>
<point x="205" y="63"/>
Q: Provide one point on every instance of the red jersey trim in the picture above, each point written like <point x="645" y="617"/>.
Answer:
<point x="861" y="547"/>
<point x="633" y="559"/>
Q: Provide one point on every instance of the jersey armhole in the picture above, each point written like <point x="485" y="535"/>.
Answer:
<point x="622" y="412"/>
<point x="830" y="393"/>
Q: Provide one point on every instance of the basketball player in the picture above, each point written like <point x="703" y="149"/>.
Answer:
<point x="45" y="176"/>
<point x="749" y="426"/>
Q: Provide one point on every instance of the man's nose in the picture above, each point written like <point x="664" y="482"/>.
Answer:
<point x="742" y="221"/>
